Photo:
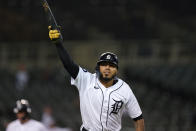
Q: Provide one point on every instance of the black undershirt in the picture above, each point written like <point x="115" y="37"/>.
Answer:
<point x="138" y="118"/>
<point x="67" y="61"/>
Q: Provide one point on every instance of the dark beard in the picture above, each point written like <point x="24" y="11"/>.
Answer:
<point x="106" y="79"/>
<point x="26" y="116"/>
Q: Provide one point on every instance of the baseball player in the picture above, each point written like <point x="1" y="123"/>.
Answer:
<point x="103" y="96"/>
<point x="24" y="122"/>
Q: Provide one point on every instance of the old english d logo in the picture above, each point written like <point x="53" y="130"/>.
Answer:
<point x="116" y="107"/>
<point x="108" y="57"/>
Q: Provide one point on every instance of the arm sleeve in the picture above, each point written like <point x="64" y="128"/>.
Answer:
<point x="8" y="128"/>
<point x="67" y="61"/>
<point x="133" y="107"/>
<point x="138" y="118"/>
<point x="82" y="80"/>
<point x="43" y="128"/>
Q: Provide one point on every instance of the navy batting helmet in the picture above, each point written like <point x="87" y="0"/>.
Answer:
<point x="22" y="106"/>
<point x="108" y="57"/>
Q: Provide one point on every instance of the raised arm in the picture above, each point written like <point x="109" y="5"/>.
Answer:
<point x="67" y="61"/>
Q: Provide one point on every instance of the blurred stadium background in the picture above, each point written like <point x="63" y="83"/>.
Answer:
<point x="155" y="42"/>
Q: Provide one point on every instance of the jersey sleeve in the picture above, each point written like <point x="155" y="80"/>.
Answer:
<point x="43" y="128"/>
<point x="132" y="106"/>
<point x="8" y="128"/>
<point x="82" y="80"/>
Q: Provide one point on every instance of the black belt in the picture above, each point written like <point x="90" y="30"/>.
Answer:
<point x="83" y="129"/>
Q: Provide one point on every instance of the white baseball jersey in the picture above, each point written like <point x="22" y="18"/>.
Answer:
<point x="102" y="108"/>
<point x="31" y="125"/>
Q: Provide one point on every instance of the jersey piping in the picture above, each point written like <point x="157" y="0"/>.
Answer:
<point x="109" y="101"/>
<point x="101" y="107"/>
